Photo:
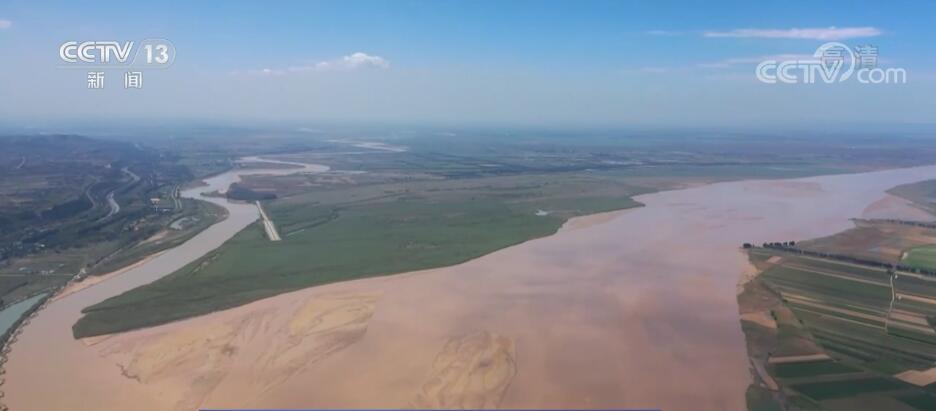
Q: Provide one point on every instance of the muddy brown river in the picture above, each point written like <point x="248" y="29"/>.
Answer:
<point x="633" y="309"/>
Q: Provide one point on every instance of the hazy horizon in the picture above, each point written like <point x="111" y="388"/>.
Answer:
<point x="551" y="64"/>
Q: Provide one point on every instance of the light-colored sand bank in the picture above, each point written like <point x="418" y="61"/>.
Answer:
<point x="636" y="312"/>
<point x="891" y="206"/>
<point x="74" y="287"/>
<point x="918" y="378"/>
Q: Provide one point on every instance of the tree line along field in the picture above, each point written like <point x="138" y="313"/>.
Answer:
<point x="842" y="335"/>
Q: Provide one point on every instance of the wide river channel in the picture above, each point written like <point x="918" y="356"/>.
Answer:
<point x="633" y="309"/>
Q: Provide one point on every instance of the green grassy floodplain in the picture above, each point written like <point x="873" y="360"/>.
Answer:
<point x="349" y="238"/>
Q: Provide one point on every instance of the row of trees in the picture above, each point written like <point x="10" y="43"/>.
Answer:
<point x="790" y="246"/>
<point x="903" y="222"/>
<point x="784" y="244"/>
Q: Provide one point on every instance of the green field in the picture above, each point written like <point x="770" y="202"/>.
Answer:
<point x="839" y="389"/>
<point x="847" y="314"/>
<point x="841" y="309"/>
<point x="920" y="401"/>
<point x="343" y="235"/>
<point x="759" y="399"/>
<point x="810" y="369"/>
<point x="922" y="257"/>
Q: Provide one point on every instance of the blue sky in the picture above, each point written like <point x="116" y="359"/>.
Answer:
<point x="479" y="62"/>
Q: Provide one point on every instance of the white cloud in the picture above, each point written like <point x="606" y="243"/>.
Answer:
<point x="352" y="61"/>
<point x="826" y="34"/>
<point x="5" y="24"/>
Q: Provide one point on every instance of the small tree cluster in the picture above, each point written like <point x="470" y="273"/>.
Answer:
<point x="778" y="244"/>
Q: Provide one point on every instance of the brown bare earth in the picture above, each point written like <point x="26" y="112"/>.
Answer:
<point x="636" y="312"/>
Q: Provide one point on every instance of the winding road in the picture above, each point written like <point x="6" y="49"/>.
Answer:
<point x="114" y="205"/>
